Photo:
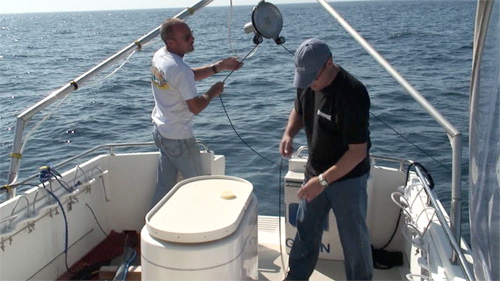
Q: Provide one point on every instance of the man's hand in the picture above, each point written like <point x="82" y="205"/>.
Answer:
<point x="310" y="189"/>
<point x="286" y="146"/>
<point x="230" y="64"/>
<point x="216" y="89"/>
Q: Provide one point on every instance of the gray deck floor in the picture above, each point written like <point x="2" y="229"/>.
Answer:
<point x="271" y="261"/>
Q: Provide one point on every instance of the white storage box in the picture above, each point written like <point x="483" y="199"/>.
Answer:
<point x="205" y="228"/>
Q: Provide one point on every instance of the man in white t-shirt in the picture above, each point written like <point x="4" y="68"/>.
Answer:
<point x="176" y="103"/>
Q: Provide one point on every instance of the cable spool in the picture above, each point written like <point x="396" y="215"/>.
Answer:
<point x="266" y="22"/>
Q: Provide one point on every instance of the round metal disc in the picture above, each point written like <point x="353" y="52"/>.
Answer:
<point x="267" y="20"/>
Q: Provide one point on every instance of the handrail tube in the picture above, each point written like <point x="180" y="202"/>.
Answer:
<point x="450" y="129"/>
<point x="401" y="162"/>
<point x="456" y="194"/>
<point x="15" y="161"/>
<point x="449" y="234"/>
<point x="453" y="133"/>
<point x="25" y="116"/>
<point x="109" y="146"/>
<point x="79" y="81"/>
<point x="104" y="146"/>
<point x="137" y="44"/>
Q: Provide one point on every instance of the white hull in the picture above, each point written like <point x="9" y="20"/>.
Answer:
<point x="119" y="188"/>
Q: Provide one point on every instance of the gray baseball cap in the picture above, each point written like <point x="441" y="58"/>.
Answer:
<point x="310" y="57"/>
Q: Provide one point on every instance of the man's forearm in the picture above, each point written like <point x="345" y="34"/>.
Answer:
<point x="351" y="158"/>
<point x="294" y="124"/>
<point x="206" y="71"/>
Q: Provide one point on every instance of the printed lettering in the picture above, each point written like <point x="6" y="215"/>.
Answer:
<point x="322" y="248"/>
<point x="324" y="115"/>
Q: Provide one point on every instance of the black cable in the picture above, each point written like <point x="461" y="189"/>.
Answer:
<point x="242" y="140"/>
<point x="282" y="45"/>
<point x="231" y="123"/>
<point x="64" y="184"/>
<point x="428" y="177"/>
<point x="279" y="193"/>
<point x="400" y="211"/>
<point x="431" y="186"/>
<point x="394" y="232"/>
<point x="229" y="119"/>
<point x="418" y="148"/>
<point x="279" y="212"/>
<point x="240" y="63"/>
<point x="96" y="220"/>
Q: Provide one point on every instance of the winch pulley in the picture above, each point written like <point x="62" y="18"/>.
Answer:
<point x="267" y="22"/>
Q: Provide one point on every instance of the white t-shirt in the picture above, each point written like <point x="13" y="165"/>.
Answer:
<point x="172" y="81"/>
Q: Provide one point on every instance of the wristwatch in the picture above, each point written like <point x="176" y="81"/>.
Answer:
<point x="322" y="181"/>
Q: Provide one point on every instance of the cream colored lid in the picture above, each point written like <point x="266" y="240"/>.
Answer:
<point x="200" y="209"/>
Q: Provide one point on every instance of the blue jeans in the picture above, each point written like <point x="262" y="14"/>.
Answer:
<point x="176" y="156"/>
<point x="348" y="199"/>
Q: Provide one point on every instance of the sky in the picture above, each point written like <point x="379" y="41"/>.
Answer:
<point x="38" y="6"/>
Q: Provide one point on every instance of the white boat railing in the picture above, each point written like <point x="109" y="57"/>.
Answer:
<point x="448" y="231"/>
<point x="111" y="151"/>
<point x="110" y="147"/>
<point x="454" y="135"/>
<point x="25" y="117"/>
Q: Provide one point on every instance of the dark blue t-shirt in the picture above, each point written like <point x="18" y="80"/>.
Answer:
<point x="333" y="118"/>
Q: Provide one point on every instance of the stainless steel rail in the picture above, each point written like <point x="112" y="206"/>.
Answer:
<point x="111" y="147"/>
<point x="403" y="163"/>
<point x="444" y="224"/>
<point x="75" y="84"/>
<point x="453" y="134"/>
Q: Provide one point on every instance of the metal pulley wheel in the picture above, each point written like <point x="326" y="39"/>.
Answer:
<point x="266" y="22"/>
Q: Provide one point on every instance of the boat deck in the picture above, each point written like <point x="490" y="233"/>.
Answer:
<point x="102" y="260"/>
<point x="271" y="262"/>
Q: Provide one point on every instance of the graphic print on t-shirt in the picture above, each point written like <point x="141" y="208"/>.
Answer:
<point x="158" y="79"/>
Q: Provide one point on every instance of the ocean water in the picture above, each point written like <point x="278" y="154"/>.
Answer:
<point x="428" y="42"/>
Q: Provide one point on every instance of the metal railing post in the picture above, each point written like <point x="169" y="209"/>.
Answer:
<point x="456" y="189"/>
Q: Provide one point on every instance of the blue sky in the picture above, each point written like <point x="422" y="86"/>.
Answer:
<point x="36" y="6"/>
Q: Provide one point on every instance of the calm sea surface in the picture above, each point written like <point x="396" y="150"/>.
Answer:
<point x="430" y="43"/>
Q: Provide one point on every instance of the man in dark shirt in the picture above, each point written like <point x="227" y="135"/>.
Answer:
<point x="333" y="108"/>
